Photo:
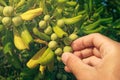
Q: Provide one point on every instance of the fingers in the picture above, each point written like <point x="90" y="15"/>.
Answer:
<point x="67" y="69"/>
<point x="87" y="53"/>
<point x="84" y="53"/>
<point x="93" y="61"/>
<point x="90" y="56"/>
<point x="93" y="40"/>
<point x="75" y="65"/>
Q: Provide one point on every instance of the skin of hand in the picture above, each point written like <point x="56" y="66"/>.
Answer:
<point x="94" y="57"/>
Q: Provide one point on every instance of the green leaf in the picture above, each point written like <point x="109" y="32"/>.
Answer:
<point x="8" y="48"/>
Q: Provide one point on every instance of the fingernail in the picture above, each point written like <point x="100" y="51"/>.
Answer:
<point x="65" y="57"/>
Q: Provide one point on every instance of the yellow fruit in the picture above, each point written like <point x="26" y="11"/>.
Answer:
<point x="20" y="3"/>
<point x="59" y="31"/>
<point x="33" y="62"/>
<point x="26" y="35"/>
<point x="18" y="42"/>
<point x="42" y="69"/>
<point x="47" y="57"/>
<point x="30" y="14"/>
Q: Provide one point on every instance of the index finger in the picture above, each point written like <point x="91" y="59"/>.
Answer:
<point x="92" y="40"/>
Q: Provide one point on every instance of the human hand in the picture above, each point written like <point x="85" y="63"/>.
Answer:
<point x="95" y="57"/>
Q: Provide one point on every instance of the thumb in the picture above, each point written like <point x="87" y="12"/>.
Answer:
<point x="76" y="66"/>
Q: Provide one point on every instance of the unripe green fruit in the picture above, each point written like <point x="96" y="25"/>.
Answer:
<point x="52" y="45"/>
<point x="59" y="59"/>
<point x="17" y="21"/>
<point x="59" y="76"/>
<point x="47" y="17"/>
<point x="73" y="36"/>
<point x="58" y="51"/>
<point x="42" y="24"/>
<point x="54" y="36"/>
<point x="60" y="23"/>
<point x="8" y="11"/>
<point x="64" y="77"/>
<point x="1" y="10"/>
<point x="67" y="49"/>
<point x="48" y="30"/>
<point x="6" y="21"/>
